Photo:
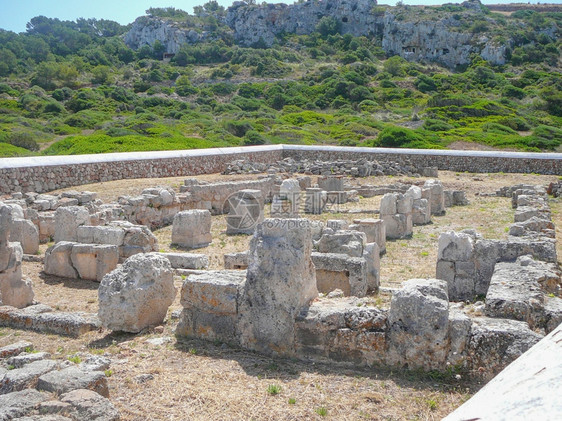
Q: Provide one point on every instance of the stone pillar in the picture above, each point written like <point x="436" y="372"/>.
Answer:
<point x="14" y="291"/>
<point x="396" y="212"/>
<point x="280" y="282"/>
<point x="433" y="191"/>
<point x="374" y="230"/>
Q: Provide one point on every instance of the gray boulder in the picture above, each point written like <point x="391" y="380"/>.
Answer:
<point x="137" y="294"/>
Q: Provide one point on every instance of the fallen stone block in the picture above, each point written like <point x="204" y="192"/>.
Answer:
<point x="25" y="377"/>
<point x="15" y="349"/>
<point x="136" y="294"/>
<point x="58" y="260"/>
<point x="72" y="378"/>
<point x="26" y="357"/>
<point x="19" y="404"/>
<point x="187" y="260"/>
<point x="343" y="242"/>
<point x="88" y="405"/>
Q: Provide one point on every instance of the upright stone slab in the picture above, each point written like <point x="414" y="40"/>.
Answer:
<point x="67" y="221"/>
<point x="26" y="233"/>
<point x="331" y="183"/>
<point x="374" y="229"/>
<point x="14" y="291"/>
<point x="192" y="229"/>
<point x="396" y="212"/>
<point x="436" y="196"/>
<point x="280" y="281"/>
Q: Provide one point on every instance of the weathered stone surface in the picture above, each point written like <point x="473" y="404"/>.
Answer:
<point x="93" y="261"/>
<point x="42" y="319"/>
<point x="315" y="200"/>
<point x="436" y="196"/>
<point x="344" y="242"/>
<point x="371" y="254"/>
<point x="137" y="294"/>
<point x="72" y="378"/>
<point x="210" y="303"/>
<point x="280" y="281"/>
<point x="58" y="260"/>
<point x="527" y="389"/>
<point x="100" y="235"/>
<point x="419" y="324"/>
<point x="24" y="232"/>
<point x="340" y="271"/>
<point x="338" y="329"/>
<point x="374" y="229"/>
<point x="18" y="404"/>
<point x="245" y="211"/>
<point x="236" y="260"/>
<point x="15" y="349"/>
<point x="187" y="260"/>
<point x="25" y="377"/>
<point x="14" y="290"/>
<point x="192" y="229"/>
<point x="67" y="221"/>
<point x="494" y="343"/>
<point x="26" y="357"/>
<point x="89" y="405"/>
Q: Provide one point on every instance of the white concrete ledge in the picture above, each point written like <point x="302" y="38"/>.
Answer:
<point x="530" y="388"/>
<point x="41" y="161"/>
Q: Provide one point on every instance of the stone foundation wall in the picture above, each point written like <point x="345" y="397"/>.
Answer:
<point x="42" y="174"/>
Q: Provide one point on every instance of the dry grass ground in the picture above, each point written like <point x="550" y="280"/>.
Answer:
<point x="197" y="380"/>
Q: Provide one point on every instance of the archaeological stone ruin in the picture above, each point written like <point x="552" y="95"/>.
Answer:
<point x="288" y="261"/>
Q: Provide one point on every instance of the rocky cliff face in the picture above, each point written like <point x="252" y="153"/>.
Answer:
<point x="146" y="30"/>
<point x="416" y="38"/>
<point x="252" y="22"/>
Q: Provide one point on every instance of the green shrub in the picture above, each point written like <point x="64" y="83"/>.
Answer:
<point x="237" y="128"/>
<point x="8" y="150"/>
<point x="436" y="125"/>
<point x="23" y="140"/>
<point x="511" y="91"/>
<point x="253" y="138"/>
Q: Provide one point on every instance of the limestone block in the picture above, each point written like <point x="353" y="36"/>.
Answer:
<point x="46" y="226"/>
<point x="136" y="294"/>
<point x="236" y="260"/>
<point x="421" y="212"/>
<point x="453" y="246"/>
<point x="67" y="220"/>
<point x="371" y="254"/>
<point x="100" y="235"/>
<point x="419" y="324"/>
<point x="345" y="242"/>
<point x="280" y="281"/>
<point x="436" y="196"/>
<point x="93" y="261"/>
<point x="388" y="204"/>
<point x="25" y="232"/>
<point x="14" y="291"/>
<point x="331" y="183"/>
<point x="192" y="229"/>
<point x="398" y="225"/>
<point x="187" y="260"/>
<point x="58" y="260"/>
<point x="72" y="378"/>
<point x="340" y="271"/>
<point x="290" y="189"/>
<point x="374" y="229"/>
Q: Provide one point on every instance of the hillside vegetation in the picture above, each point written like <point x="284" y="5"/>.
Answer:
<point x="75" y="87"/>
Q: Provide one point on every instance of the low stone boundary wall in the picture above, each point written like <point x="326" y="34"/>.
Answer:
<point x="42" y="174"/>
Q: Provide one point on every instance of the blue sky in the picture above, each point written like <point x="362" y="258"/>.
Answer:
<point x="14" y="14"/>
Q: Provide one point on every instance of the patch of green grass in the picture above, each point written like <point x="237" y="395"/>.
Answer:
<point x="273" y="389"/>
<point x="322" y="411"/>
<point x="75" y="359"/>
